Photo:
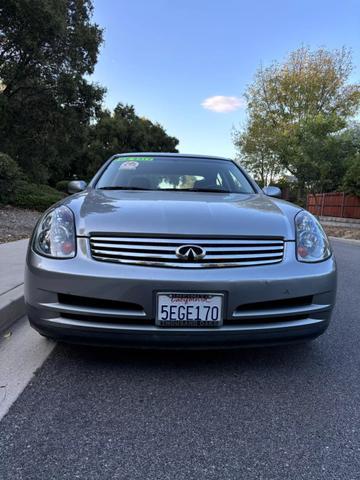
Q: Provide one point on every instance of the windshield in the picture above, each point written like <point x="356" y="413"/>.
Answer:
<point x="174" y="173"/>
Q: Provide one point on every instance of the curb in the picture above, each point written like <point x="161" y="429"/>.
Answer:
<point x="350" y="241"/>
<point x="12" y="307"/>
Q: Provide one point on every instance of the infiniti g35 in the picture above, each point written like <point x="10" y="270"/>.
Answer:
<point x="178" y="251"/>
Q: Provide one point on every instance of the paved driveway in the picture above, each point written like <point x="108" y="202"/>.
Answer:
<point x="279" y="413"/>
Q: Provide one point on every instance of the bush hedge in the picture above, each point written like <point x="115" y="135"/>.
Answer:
<point x="62" y="186"/>
<point x="36" y="197"/>
<point x="351" y="181"/>
<point x="10" y="178"/>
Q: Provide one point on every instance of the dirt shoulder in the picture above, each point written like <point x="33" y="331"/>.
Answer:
<point x="16" y="223"/>
<point x="343" y="232"/>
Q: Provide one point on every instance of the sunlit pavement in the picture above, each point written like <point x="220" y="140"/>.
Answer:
<point x="276" y="413"/>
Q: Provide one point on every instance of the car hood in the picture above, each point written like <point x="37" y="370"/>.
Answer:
<point x="186" y="213"/>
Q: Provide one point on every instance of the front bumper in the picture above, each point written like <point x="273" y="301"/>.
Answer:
<point x="271" y="290"/>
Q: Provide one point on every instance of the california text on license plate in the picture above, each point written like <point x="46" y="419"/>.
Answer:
<point x="189" y="310"/>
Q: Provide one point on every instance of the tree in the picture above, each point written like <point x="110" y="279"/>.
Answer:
<point x="351" y="181"/>
<point x="123" y="131"/>
<point x="295" y="110"/>
<point x="47" y="47"/>
<point x="255" y="155"/>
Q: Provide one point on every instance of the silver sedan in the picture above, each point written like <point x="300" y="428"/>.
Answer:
<point x="174" y="250"/>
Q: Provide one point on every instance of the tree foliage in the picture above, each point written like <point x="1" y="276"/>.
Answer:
<point x="47" y="47"/>
<point x="256" y="156"/>
<point x="351" y="178"/>
<point x="123" y="131"/>
<point x="296" y="111"/>
<point x="51" y="118"/>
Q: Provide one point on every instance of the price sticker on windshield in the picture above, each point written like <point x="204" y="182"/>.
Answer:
<point x="129" y="165"/>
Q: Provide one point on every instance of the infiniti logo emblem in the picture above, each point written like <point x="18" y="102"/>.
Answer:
<point x="191" y="253"/>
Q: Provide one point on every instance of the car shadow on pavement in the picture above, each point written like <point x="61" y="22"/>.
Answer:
<point x="274" y="356"/>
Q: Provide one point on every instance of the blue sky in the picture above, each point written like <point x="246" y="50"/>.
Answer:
<point x="167" y="57"/>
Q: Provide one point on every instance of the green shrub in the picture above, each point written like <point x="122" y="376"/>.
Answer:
<point x="36" y="197"/>
<point x="351" y="181"/>
<point x="62" y="186"/>
<point x="10" y="177"/>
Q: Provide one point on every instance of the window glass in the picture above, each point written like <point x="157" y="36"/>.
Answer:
<point x="174" y="173"/>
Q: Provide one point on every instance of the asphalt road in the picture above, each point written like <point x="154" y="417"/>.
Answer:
<point x="275" y="413"/>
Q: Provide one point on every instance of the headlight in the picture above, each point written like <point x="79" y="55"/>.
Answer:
<point x="55" y="234"/>
<point x="312" y="244"/>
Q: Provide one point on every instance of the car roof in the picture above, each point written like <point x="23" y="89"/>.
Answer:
<point x="170" y="154"/>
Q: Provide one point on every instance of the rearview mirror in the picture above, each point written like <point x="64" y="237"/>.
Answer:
<point x="272" y="191"/>
<point x="76" y="186"/>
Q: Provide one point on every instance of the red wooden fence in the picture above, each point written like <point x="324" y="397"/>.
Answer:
<point x="334" y="204"/>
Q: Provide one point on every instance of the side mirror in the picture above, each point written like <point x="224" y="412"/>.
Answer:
<point x="76" y="186"/>
<point x="272" y="191"/>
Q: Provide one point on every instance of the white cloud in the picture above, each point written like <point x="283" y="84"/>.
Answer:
<point x="222" y="104"/>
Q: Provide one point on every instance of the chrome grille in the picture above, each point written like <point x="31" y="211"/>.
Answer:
<point x="161" y="251"/>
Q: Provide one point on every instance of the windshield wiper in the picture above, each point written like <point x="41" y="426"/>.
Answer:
<point x="124" y="188"/>
<point x="211" y="190"/>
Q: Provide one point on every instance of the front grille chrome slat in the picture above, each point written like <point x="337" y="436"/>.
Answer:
<point x="204" y="241"/>
<point x="209" y="256"/>
<point x="134" y="255"/>
<point x="161" y="251"/>
<point x="145" y="248"/>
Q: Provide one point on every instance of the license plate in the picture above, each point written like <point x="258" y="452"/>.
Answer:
<point x="189" y="310"/>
